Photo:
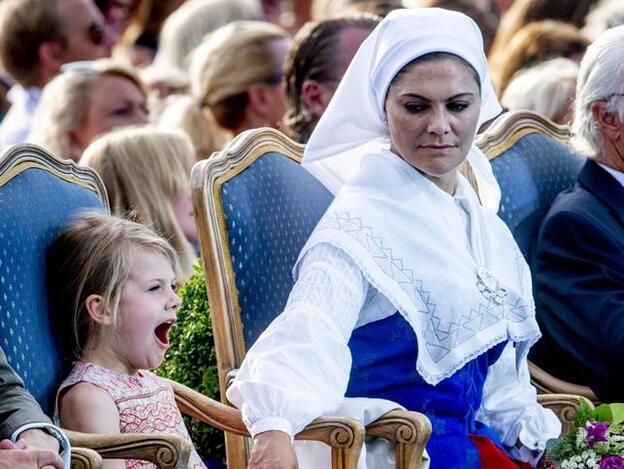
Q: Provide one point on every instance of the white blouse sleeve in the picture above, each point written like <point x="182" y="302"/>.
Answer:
<point x="299" y="367"/>
<point x="510" y="408"/>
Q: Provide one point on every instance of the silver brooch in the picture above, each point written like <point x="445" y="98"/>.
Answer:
<point x="490" y="287"/>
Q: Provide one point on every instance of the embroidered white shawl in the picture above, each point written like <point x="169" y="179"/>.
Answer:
<point x="408" y="238"/>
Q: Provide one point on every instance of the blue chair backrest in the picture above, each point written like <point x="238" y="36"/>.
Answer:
<point x="36" y="201"/>
<point x="531" y="172"/>
<point x="271" y="207"/>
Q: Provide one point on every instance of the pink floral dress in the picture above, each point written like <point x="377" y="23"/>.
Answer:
<point x="145" y="402"/>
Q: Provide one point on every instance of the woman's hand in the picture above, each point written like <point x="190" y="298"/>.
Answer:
<point x="272" y="450"/>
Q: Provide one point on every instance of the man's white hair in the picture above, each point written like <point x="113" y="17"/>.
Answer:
<point x="600" y="78"/>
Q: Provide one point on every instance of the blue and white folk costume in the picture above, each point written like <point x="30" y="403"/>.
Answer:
<point x="404" y="293"/>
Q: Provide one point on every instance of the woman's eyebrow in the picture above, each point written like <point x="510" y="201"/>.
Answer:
<point x="456" y="96"/>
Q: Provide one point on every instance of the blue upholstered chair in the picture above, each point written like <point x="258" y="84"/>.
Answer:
<point x="255" y="208"/>
<point x="532" y="163"/>
<point x="38" y="196"/>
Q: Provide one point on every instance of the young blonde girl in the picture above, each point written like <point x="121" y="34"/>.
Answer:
<point x="146" y="172"/>
<point x="114" y="281"/>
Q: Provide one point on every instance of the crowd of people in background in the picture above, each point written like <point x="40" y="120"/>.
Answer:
<point x="140" y="90"/>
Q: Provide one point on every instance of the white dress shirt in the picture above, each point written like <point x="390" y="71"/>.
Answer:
<point x="16" y="124"/>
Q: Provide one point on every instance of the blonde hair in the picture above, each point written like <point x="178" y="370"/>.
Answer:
<point x="64" y="104"/>
<point x="605" y="15"/>
<point x="183" y="113"/>
<point x="546" y="88"/>
<point x="231" y="59"/>
<point x="535" y="43"/>
<point x="94" y="255"/>
<point x="186" y="27"/>
<point x="523" y="12"/>
<point x="144" y="169"/>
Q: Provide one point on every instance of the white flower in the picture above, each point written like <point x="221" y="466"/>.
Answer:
<point x="581" y="434"/>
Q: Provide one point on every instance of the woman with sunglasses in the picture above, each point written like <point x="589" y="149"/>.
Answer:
<point x="237" y="73"/>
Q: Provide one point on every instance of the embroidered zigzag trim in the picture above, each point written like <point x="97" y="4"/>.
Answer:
<point x="439" y="338"/>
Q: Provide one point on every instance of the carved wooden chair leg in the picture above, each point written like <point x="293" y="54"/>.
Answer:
<point x="164" y="450"/>
<point x="410" y="431"/>
<point x="84" y="458"/>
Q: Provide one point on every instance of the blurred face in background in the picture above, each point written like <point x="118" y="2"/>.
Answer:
<point x="279" y="48"/>
<point x="115" y="101"/>
<point x="183" y="211"/>
<point x="118" y="13"/>
<point x="87" y="37"/>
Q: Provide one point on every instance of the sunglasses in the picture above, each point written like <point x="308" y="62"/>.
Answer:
<point x="275" y="79"/>
<point x="96" y="32"/>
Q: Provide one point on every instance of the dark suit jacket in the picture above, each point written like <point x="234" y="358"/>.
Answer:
<point x="579" y="285"/>
<point x="17" y="407"/>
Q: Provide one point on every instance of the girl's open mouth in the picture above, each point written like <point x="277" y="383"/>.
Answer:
<point x="162" y="332"/>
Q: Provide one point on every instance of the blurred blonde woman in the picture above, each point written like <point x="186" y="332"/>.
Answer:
<point x="523" y="12"/>
<point x="85" y="101"/>
<point x="535" y="43"/>
<point x="236" y="73"/>
<point x="185" y="29"/>
<point x="547" y="88"/>
<point x="182" y="112"/>
<point x="146" y="174"/>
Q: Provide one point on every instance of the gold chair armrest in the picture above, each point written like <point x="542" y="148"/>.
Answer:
<point x="164" y="450"/>
<point x="565" y="407"/>
<point x="548" y="384"/>
<point x="84" y="458"/>
<point x="344" y="435"/>
<point x="410" y="431"/>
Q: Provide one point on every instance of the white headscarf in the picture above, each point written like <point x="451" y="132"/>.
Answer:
<point x="353" y="123"/>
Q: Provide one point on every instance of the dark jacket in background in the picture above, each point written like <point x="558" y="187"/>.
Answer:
<point x="579" y="285"/>
<point x="17" y="406"/>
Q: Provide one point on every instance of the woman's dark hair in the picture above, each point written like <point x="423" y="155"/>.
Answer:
<point x="434" y="57"/>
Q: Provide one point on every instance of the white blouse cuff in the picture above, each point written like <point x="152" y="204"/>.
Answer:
<point x="533" y="444"/>
<point x="272" y="423"/>
<point x="524" y="454"/>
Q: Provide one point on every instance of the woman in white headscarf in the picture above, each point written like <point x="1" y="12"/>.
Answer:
<point x="410" y="290"/>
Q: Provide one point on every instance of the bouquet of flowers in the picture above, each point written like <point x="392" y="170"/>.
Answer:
<point x="597" y="441"/>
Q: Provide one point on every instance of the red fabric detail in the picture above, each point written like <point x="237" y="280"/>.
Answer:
<point x="492" y="457"/>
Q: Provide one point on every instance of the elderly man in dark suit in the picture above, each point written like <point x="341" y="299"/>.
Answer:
<point x="579" y="275"/>
<point x="25" y="431"/>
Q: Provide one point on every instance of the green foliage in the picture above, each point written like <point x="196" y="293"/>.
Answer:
<point x="585" y="413"/>
<point x="612" y="413"/>
<point x="562" y="448"/>
<point x="191" y="360"/>
<point x="598" y="433"/>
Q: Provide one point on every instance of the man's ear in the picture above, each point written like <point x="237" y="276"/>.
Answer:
<point x="315" y="96"/>
<point x="258" y="98"/>
<point x="50" y="55"/>
<point x="608" y="121"/>
<point x="98" y="311"/>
